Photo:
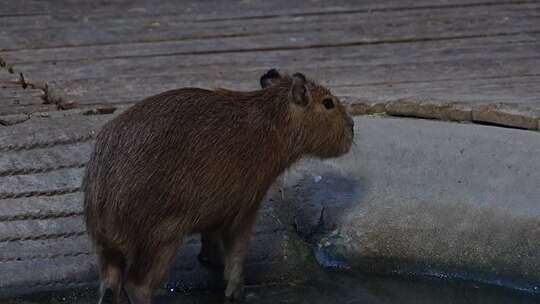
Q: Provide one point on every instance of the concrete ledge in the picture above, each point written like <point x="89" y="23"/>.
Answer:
<point x="430" y="197"/>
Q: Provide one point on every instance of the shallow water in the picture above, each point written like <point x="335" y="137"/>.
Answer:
<point x="333" y="289"/>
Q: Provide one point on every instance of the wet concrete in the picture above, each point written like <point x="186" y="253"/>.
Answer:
<point x="328" y="288"/>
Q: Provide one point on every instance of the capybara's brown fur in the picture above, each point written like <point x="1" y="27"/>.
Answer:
<point x="199" y="161"/>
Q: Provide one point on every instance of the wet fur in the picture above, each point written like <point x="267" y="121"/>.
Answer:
<point x="197" y="161"/>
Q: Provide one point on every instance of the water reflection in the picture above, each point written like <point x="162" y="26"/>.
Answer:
<point x="353" y="289"/>
<point x="332" y="288"/>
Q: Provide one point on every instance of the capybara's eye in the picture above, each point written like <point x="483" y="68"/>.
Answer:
<point x="328" y="103"/>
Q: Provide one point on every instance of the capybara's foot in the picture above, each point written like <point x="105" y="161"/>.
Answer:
<point x="212" y="261"/>
<point x="106" y="297"/>
<point x="234" y="293"/>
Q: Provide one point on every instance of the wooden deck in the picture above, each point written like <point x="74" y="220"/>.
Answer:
<point x="369" y="52"/>
<point x="66" y="65"/>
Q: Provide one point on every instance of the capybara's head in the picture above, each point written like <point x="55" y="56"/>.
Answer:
<point x="320" y="124"/>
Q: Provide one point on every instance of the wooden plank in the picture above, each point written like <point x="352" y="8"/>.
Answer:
<point x="510" y="61"/>
<point x="41" y="207"/>
<point x="98" y="61"/>
<point x="339" y="66"/>
<point x="44" y="249"/>
<point x="20" y="96"/>
<point x="380" y="83"/>
<point x="40" y="229"/>
<point x="25" y="109"/>
<point x="363" y="26"/>
<point x="60" y="181"/>
<point x="32" y="276"/>
<point x="44" y="160"/>
<point x="26" y="7"/>
<point x="102" y="19"/>
<point x="99" y="90"/>
<point x="12" y="92"/>
<point x="183" y="55"/>
<point x="193" y="9"/>
<point x="15" y="96"/>
<point x="42" y="132"/>
<point x="123" y="63"/>
<point x="512" y="90"/>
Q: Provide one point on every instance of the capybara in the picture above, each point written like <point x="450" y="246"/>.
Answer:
<point x="196" y="161"/>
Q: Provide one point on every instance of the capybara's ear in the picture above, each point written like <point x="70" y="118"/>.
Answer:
<point x="270" y="78"/>
<point x="299" y="90"/>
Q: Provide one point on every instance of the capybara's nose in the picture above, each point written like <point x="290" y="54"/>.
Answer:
<point x="351" y="121"/>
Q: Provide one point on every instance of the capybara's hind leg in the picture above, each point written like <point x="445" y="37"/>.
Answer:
<point x="111" y="266"/>
<point x="211" y="255"/>
<point x="146" y="271"/>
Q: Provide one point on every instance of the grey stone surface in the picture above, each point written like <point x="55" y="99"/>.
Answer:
<point x="426" y="197"/>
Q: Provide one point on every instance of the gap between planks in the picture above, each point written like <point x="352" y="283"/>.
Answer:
<point x="372" y="10"/>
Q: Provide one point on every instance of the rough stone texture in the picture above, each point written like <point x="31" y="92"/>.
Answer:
<point x="504" y="114"/>
<point x="427" y="197"/>
<point x="432" y="109"/>
<point x="366" y="107"/>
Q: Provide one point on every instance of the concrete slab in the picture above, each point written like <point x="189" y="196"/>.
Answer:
<point x="418" y="196"/>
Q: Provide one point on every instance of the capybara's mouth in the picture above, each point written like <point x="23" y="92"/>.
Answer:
<point x="345" y="147"/>
<point x="350" y="140"/>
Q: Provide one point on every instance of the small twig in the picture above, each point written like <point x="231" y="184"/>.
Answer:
<point x="23" y="82"/>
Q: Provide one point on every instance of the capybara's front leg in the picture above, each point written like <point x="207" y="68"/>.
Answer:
<point x="211" y="255"/>
<point x="236" y="241"/>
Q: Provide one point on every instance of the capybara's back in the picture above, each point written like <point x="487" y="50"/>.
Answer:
<point x="198" y="161"/>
